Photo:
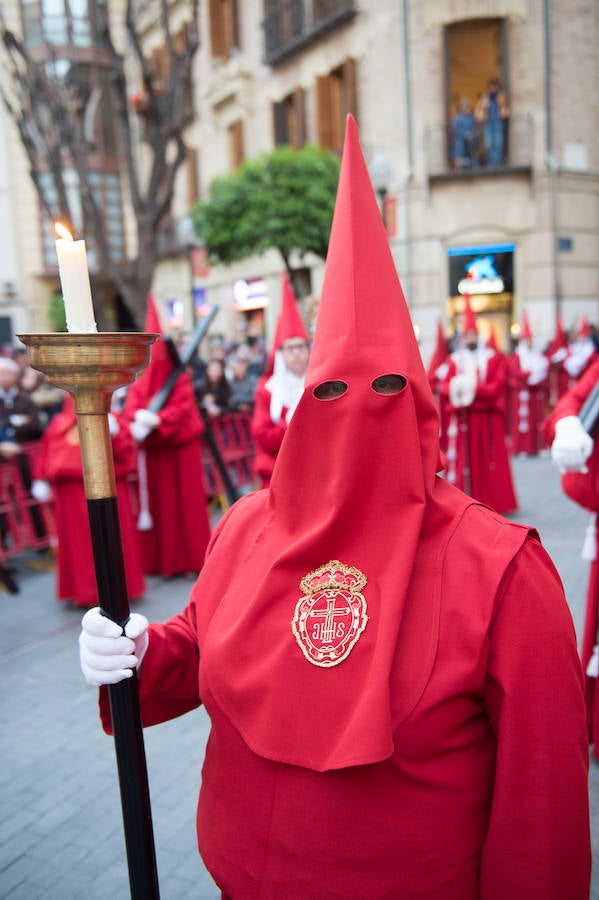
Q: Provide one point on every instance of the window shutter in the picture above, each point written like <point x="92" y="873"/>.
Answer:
<point x="218" y="37"/>
<point x="298" y="128"/>
<point x="279" y="113"/>
<point x="350" y="93"/>
<point x="324" y="112"/>
<point x="236" y="144"/>
<point x="191" y="172"/>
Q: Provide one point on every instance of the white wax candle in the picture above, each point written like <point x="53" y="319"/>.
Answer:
<point x="74" y="280"/>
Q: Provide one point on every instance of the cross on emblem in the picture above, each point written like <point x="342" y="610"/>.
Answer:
<point x="325" y="631"/>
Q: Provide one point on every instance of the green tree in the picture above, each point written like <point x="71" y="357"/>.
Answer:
<point x="282" y="200"/>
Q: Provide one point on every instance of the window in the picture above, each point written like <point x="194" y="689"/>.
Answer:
<point x="236" y="144"/>
<point x="59" y="22"/>
<point x="475" y="52"/>
<point x="106" y="191"/>
<point x="290" y="120"/>
<point x="335" y="98"/>
<point x="224" y="28"/>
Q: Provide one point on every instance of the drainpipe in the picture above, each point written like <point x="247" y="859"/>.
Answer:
<point x="550" y="160"/>
<point x="407" y="181"/>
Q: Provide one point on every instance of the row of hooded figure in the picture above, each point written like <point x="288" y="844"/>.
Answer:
<point x="494" y="405"/>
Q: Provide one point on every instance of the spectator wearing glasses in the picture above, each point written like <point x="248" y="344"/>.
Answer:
<point x="279" y="390"/>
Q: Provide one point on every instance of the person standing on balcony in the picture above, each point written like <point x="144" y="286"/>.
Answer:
<point x="491" y="113"/>
<point x="464" y="136"/>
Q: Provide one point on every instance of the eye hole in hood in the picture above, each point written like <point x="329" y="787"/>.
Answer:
<point x="330" y="390"/>
<point x="389" y="384"/>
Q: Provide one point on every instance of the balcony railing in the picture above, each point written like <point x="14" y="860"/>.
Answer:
<point x="290" y="25"/>
<point x="441" y="159"/>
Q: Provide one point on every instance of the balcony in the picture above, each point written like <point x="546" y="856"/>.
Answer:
<point x="291" y="25"/>
<point x="517" y="152"/>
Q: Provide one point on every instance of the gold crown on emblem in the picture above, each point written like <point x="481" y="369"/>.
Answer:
<point x="333" y="574"/>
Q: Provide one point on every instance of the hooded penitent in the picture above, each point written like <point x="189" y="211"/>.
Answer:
<point x="469" y="322"/>
<point x="345" y="514"/>
<point x="284" y="387"/>
<point x="160" y="365"/>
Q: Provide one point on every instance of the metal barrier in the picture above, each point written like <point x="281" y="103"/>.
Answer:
<point x="25" y="523"/>
<point x="234" y="445"/>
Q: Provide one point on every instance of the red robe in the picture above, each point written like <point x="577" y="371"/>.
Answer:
<point x="268" y="435"/>
<point x="483" y="795"/>
<point x="583" y="488"/>
<point x="527" y="405"/>
<point x="177" y="541"/>
<point x="59" y="463"/>
<point x="474" y="439"/>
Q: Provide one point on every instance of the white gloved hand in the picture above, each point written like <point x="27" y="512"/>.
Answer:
<point x="108" y="656"/>
<point x="148" y="418"/>
<point x="139" y="431"/>
<point x="41" y="490"/>
<point x="572" y="446"/>
<point x="113" y="425"/>
<point x="462" y="388"/>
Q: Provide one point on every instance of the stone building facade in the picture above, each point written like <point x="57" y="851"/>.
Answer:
<point x="518" y="235"/>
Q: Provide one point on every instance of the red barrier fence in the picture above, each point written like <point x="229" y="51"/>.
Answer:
<point x="234" y="443"/>
<point x="25" y="523"/>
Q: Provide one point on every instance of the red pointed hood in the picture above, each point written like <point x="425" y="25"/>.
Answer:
<point x="160" y="365"/>
<point x="492" y="342"/>
<point x="526" y="332"/>
<point x="347" y="502"/>
<point x="440" y="353"/>
<point x="584" y="329"/>
<point x="559" y="341"/>
<point x="289" y="324"/>
<point x="469" y="322"/>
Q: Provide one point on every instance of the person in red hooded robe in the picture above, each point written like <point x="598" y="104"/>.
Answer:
<point x="581" y="353"/>
<point x="59" y="475"/>
<point x="389" y="667"/>
<point x="174" y="524"/>
<point x="577" y="455"/>
<point x="473" y="401"/>
<point x="528" y="394"/>
<point x="280" y="388"/>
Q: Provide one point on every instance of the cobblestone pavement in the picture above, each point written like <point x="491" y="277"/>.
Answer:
<point x="61" y="832"/>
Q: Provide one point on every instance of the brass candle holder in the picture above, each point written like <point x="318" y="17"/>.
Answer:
<point x="90" y="367"/>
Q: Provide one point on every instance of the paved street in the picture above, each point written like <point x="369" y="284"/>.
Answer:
<point x="60" y="826"/>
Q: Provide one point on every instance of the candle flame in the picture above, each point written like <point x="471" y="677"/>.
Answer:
<point x="62" y="232"/>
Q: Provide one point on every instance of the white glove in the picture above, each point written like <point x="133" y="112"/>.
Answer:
<point x="113" y="425"/>
<point x="148" y="418"/>
<point x="572" y="446"/>
<point x="139" y="431"/>
<point x="108" y="656"/>
<point x="41" y="490"/>
<point x="462" y="388"/>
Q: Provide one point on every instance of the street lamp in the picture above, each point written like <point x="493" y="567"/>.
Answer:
<point x="380" y="176"/>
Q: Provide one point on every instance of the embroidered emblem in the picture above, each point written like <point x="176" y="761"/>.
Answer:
<point x="331" y="616"/>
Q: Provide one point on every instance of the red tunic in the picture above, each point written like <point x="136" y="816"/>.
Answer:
<point x="527" y="409"/>
<point x="181" y="528"/>
<point x="474" y="439"/>
<point x="483" y="793"/>
<point x="583" y="488"/>
<point x="59" y="463"/>
<point x="268" y="435"/>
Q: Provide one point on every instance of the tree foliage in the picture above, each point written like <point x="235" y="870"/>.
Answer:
<point x="282" y="200"/>
<point x="55" y="101"/>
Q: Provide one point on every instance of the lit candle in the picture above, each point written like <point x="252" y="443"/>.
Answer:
<point x="74" y="280"/>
